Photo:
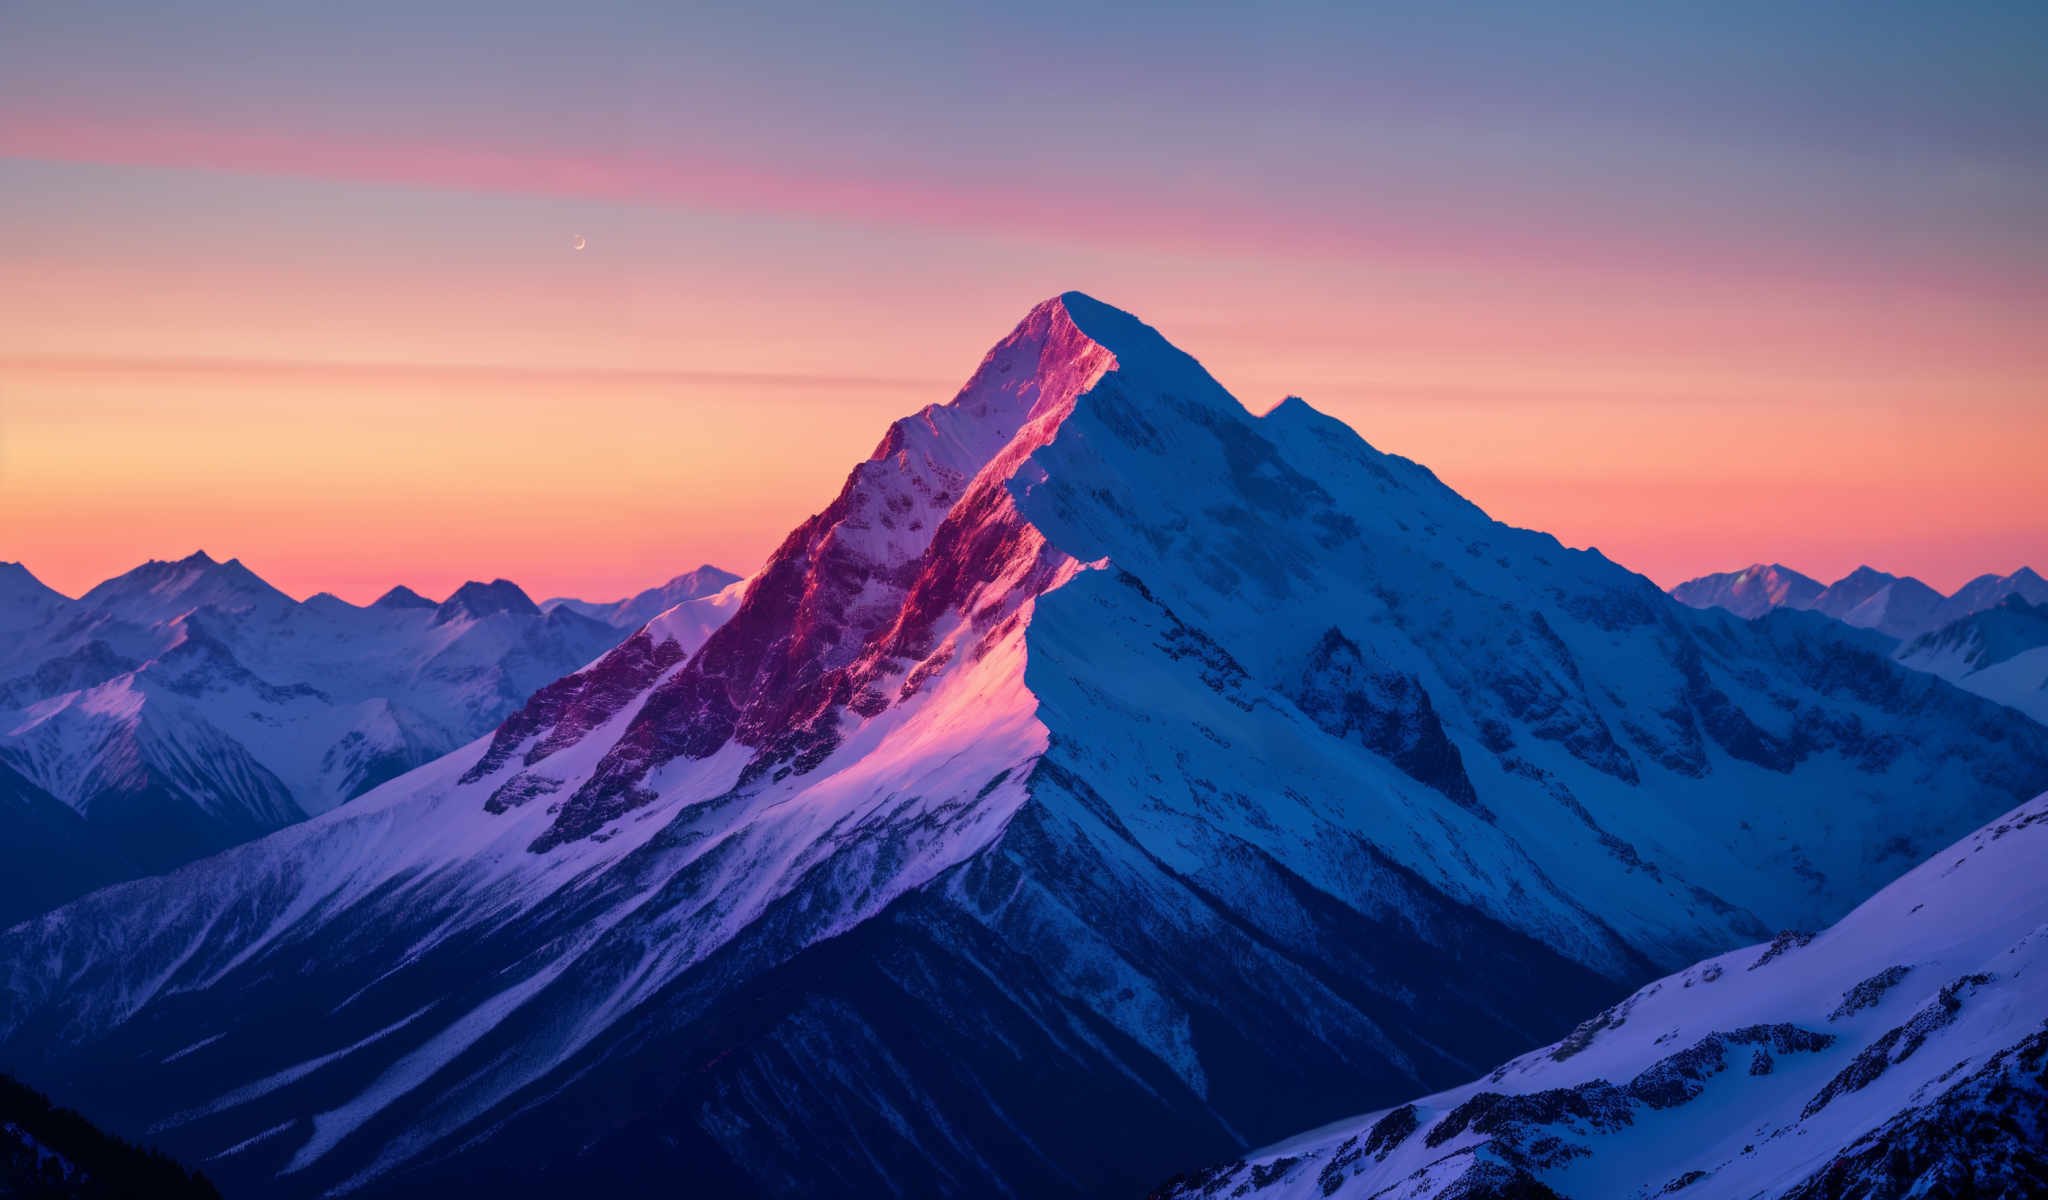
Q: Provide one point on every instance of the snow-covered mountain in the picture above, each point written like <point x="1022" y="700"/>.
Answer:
<point x="1106" y="779"/>
<point x="637" y="610"/>
<point x="1894" y="605"/>
<point x="1752" y="591"/>
<point x="187" y="706"/>
<point x="2000" y="653"/>
<point x="1986" y="638"/>
<point x="1901" y="1052"/>
<point x="1989" y="591"/>
<point x="158" y="591"/>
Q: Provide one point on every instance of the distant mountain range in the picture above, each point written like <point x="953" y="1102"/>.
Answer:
<point x="1990" y="637"/>
<point x="1898" y="606"/>
<point x="186" y="706"/>
<point x="1105" y="780"/>
<point x="1903" y="1052"/>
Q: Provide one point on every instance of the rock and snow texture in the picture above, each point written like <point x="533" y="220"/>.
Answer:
<point x="635" y="611"/>
<point x="2000" y="653"/>
<point x="187" y="706"/>
<point x="1901" y="1052"/>
<point x="1106" y="779"/>
<point x="1896" y="606"/>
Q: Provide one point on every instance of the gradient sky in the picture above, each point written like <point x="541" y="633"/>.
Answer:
<point x="1699" y="285"/>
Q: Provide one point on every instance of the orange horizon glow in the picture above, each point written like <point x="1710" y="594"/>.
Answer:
<point x="351" y="479"/>
<point x="305" y="291"/>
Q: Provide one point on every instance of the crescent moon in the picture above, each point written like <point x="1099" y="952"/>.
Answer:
<point x="580" y="242"/>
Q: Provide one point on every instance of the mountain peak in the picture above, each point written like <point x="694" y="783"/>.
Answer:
<point x="703" y="581"/>
<point x="16" y="577"/>
<point x="636" y="610"/>
<point x="475" y="601"/>
<point x="1135" y="345"/>
<point x="1752" y="591"/>
<point x="159" y="590"/>
<point x="402" y="597"/>
<point x="26" y="600"/>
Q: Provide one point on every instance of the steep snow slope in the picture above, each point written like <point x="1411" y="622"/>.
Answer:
<point x="1752" y="591"/>
<point x="1901" y="1052"/>
<point x="637" y="610"/>
<point x="243" y="710"/>
<point x="1999" y="653"/>
<point x="1105" y="779"/>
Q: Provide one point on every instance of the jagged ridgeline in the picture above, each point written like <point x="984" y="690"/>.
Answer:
<point x="184" y="707"/>
<point x="1106" y="780"/>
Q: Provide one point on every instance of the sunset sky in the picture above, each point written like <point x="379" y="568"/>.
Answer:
<point x="1702" y="285"/>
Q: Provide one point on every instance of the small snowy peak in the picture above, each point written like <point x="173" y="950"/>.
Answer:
<point x="689" y="623"/>
<point x="636" y="610"/>
<point x="18" y="583"/>
<point x="1990" y="591"/>
<point x="26" y="601"/>
<point x="402" y="597"/>
<point x="329" y="604"/>
<point x="474" y="601"/>
<point x="1752" y="591"/>
<point x="1901" y="608"/>
<point x="1907" y="1042"/>
<point x="1853" y="589"/>
<point x="157" y="591"/>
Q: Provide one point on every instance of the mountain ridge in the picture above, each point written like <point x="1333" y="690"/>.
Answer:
<point x="1898" y="605"/>
<point x="187" y="705"/>
<point x="1019" y="829"/>
<point x="1966" y="638"/>
<point x="2000" y="652"/>
<point x="641" y="607"/>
